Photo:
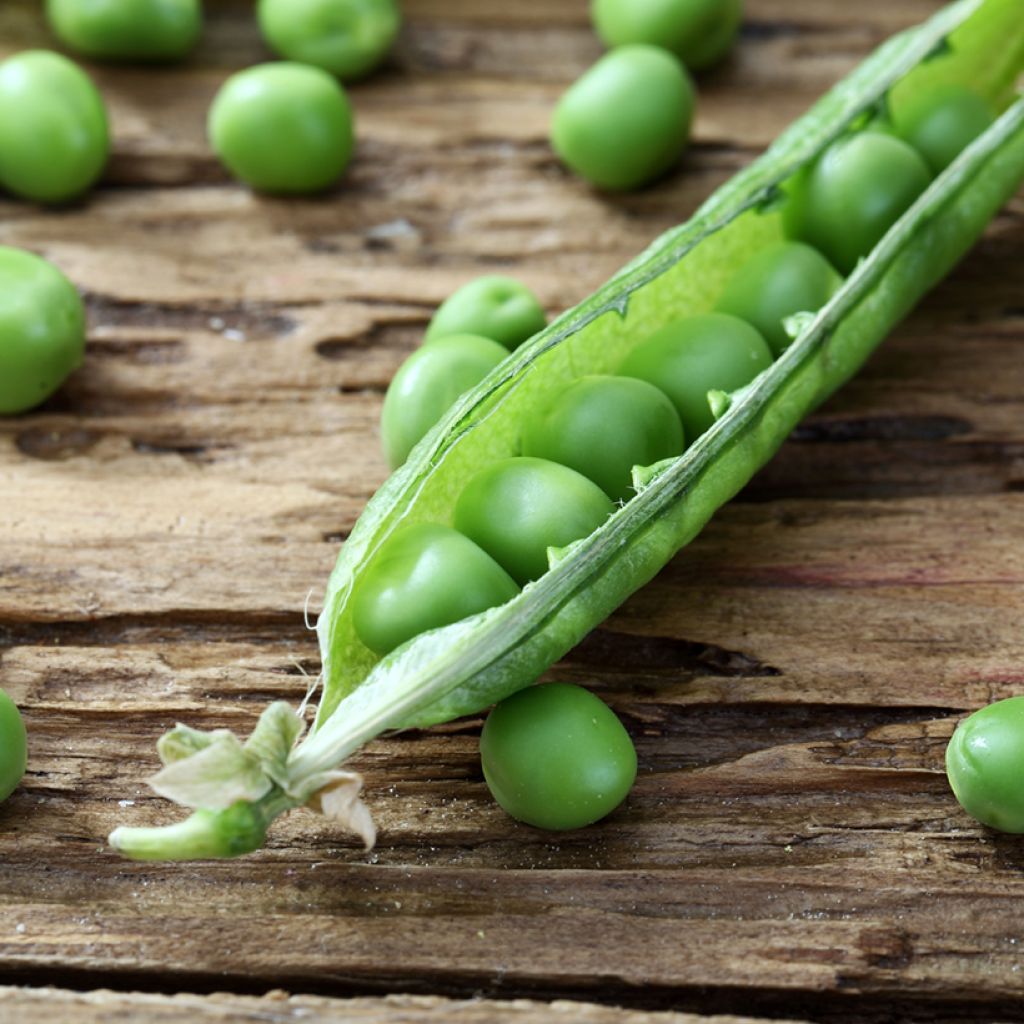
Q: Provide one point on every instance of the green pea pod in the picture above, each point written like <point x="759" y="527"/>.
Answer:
<point x="465" y="667"/>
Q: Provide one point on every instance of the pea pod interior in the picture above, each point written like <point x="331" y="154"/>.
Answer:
<point x="461" y="668"/>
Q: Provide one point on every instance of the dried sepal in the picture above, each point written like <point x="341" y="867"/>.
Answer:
<point x="337" y="798"/>
<point x="213" y="777"/>
<point x="273" y="738"/>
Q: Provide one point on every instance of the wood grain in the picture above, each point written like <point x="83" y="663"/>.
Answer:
<point x="791" y="847"/>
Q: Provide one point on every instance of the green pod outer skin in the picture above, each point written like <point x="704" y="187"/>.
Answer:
<point x="462" y="668"/>
<point x="469" y="665"/>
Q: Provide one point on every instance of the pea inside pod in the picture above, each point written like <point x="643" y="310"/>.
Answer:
<point x="424" y="577"/>
<point x="517" y="508"/>
<point x="348" y="38"/>
<point x="54" y="139"/>
<point x="127" y="30"/>
<point x="627" y="119"/>
<point x="942" y="122"/>
<point x="689" y="358"/>
<point x="602" y="427"/>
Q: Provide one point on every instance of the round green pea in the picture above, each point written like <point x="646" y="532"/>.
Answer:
<point x="517" y="508"/>
<point x="54" y="139"/>
<point x="348" y="38"/>
<point x="12" y="746"/>
<point x="426" y="386"/>
<point x="699" y="32"/>
<point x="783" y="279"/>
<point x="556" y="757"/>
<point x="494" y="307"/>
<point x="626" y="120"/>
<point x="689" y="358"/>
<point x="985" y="765"/>
<point x="604" y="426"/>
<point x="283" y="127"/>
<point x="423" y="577"/>
<point x="849" y="198"/>
<point x="942" y="122"/>
<point x="128" y="30"/>
<point x="42" y="330"/>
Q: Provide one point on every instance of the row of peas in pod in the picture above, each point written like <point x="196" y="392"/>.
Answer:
<point x="577" y="459"/>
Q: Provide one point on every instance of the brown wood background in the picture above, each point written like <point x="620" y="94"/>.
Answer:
<point x="791" y="848"/>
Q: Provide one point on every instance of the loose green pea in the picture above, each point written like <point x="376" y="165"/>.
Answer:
<point x="942" y="122"/>
<point x="129" y="30"/>
<point x="427" y="385"/>
<point x="12" y="746"/>
<point x="985" y="765"/>
<point x="283" y="127"/>
<point x="42" y="330"/>
<point x="54" y="139"/>
<point x="849" y="198"/>
<point x="348" y="38"/>
<point x="781" y="280"/>
<point x="556" y="757"/>
<point x="424" y="577"/>
<point x="626" y="120"/>
<point x="494" y="307"/>
<point x="699" y="32"/>
<point x="689" y="358"/>
<point x="604" y="426"/>
<point x="517" y="508"/>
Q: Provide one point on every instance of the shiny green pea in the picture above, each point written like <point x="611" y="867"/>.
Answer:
<point x="556" y="757"/>
<point x="942" y="122"/>
<point x="495" y="307"/>
<point x="517" y="508"/>
<point x="282" y="128"/>
<point x="699" y="32"/>
<point x="849" y="198"/>
<point x="348" y="38"/>
<point x="781" y="280"/>
<point x="424" y="577"/>
<point x="427" y="385"/>
<point x="129" y="30"/>
<point x="689" y="358"/>
<point x="42" y="329"/>
<point x="985" y="765"/>
<point x="604" y="426"/>
<point x="626" y="120"/>
<point x="54" y="139"/>
<point x="12" y="746"/>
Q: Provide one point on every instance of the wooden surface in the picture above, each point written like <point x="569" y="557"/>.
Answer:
<point x="790" y="849"/>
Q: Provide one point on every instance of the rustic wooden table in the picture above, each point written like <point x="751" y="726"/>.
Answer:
<point x="790" y="849"/>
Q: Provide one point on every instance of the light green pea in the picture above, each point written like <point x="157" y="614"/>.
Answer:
<point x="699" y="32"/>
<point x="848" y="199"/>
<point x="942" y="122"/>
<point x="127" y="30"/>
<point x="495" y="307"/>
<point x="427" y="385"/>
<point x="424" y="576"/>
<point x="626" y="120"/>
<point x="781" y="280"/>
<point x="689" y="358"/>
<point x="42" y="330"/>
<point x="54" y="139"/>
<point x="604" y="426"/>
<point x="12" y="746"/>
<point x="556" y="757"/>
<point x="348" y="38"/>
<point x="517" y="508"/>
<point x="283" y="128"/>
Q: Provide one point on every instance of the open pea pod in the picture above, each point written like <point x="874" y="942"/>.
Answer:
<point x="445" y="673"/>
